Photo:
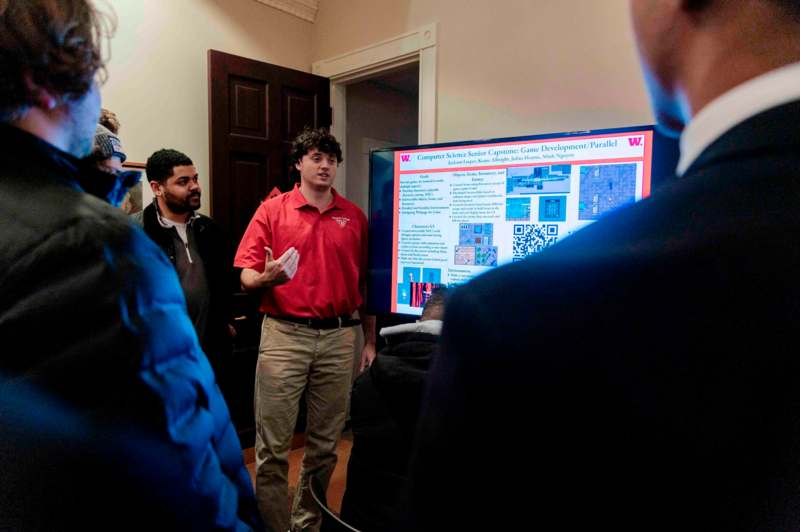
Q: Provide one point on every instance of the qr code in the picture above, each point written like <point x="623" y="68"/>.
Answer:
<point x="533" y="238"/>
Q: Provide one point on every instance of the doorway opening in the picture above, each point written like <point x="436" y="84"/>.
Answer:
<point x="382" y="111"/>
<point x="395" y="63"/>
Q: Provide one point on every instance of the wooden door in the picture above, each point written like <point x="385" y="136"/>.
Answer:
<point x="255" y="111"/>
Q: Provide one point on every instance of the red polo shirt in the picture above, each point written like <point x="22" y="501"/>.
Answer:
<point x="332" y="269"/>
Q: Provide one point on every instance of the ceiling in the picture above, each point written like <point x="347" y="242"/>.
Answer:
<point x="304" y="9"/>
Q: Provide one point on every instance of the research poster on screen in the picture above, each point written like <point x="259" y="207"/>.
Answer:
<point x="461" y="211"/>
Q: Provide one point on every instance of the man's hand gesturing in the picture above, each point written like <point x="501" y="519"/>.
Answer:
<point x="276" y="272"/>
<point x="280" y="270"/>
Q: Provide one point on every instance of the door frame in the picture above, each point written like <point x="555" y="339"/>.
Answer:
<point x="418" y="46"/>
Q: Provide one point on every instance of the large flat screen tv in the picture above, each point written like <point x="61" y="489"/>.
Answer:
<point x="441" y="214"/>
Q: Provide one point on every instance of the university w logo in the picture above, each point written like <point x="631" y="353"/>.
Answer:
<point x="635" y="141"/>
<point x="405" y="157"/>
<point x="341" y="220"/>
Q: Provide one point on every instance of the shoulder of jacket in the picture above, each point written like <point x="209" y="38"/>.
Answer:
<point x="138" y="218"/>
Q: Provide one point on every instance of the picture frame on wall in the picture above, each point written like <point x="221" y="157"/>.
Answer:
<point x="139" y="195"/>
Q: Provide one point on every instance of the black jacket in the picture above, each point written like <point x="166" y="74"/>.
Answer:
<point x="385" y="406"/>
<point x="92" y="319"/>
<point x="640" y="375"/>
<point x="214" y="253"/>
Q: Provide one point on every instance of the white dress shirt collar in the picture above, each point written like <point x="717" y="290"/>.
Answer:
<point x="764" y="92"/>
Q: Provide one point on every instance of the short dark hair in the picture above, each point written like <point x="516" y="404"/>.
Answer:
<point x="434" y="306"/>
<point x="57" y="43"/>
<point x="160" y="165"/>
<point x="314" y="138"/>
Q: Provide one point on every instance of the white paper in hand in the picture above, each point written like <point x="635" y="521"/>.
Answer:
<point x="289" y="260"/>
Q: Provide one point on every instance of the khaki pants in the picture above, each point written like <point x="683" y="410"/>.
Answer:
<point x="292" y="359"/>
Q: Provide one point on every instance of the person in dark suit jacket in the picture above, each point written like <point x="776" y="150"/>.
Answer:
<point x="643" y="374"/>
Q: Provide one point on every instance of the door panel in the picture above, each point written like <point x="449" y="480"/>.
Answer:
<point x="255" y="110"/>
<point x="248" y="108"/>
<point x="251" y="174"/>
<point x="299" y="109"/>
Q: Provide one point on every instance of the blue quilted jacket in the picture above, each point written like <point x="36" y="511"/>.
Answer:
<point x="92" y="315"/>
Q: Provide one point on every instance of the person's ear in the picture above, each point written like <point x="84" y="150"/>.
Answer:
<point x="40" y="96"/>
<point x="155" y="186"/>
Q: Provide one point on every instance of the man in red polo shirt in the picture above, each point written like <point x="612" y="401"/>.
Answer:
<point x="306" y="250"/>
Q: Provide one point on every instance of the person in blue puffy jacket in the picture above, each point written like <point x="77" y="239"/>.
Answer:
<point x="92" y="318"/>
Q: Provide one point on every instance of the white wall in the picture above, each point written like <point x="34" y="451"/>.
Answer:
<point x="158" y="74"/>
<point x="509" y="67"/>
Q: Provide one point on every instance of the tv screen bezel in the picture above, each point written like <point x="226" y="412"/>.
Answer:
<point x="664" y="156"/>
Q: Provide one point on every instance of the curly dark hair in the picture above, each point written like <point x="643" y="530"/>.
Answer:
<point x="160" y="165"/>
<point x="109" y="120"/>
<point x="56" y="44"/>
<point x="314" y="138"/>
